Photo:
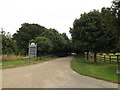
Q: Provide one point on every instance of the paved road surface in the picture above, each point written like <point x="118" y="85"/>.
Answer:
<point x="50" y="74"/>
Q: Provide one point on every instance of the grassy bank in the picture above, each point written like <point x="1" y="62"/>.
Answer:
<point x="24" y="61"/>
<point x="12" y="57"/>
<point x="98" y="70"/>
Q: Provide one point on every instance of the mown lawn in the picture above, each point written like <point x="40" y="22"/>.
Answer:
<point x="100" y="70"/>
<point x="22" y="62"/>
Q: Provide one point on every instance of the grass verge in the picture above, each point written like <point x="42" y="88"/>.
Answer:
<point x="98" y="70"/>
<point x="22" y="62"/>
<point x="11" y="57"/>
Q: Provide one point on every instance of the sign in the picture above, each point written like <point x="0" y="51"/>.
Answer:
<point x="118" y="71"/>
<point x="32" y="50"/>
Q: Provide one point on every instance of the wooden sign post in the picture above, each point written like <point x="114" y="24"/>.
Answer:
<point x="32" y="51"/>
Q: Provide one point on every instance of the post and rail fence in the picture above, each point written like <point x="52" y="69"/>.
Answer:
<point x="109" y="58"/>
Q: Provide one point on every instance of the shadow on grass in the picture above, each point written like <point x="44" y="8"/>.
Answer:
<point x="99" y="70"/>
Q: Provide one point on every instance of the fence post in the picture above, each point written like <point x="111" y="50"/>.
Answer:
<point x="117" y="59"/>
<point x="110" y="58"/>
<point x="100" y="57"/>
<point x="104" y="58"/>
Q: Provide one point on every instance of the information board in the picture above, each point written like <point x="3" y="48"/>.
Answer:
<point x="32" y="50"/>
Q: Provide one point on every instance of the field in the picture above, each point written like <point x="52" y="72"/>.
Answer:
<point x="9" y="63"/>
<point x="12" y="57"/>
<point x="100" y="70"/>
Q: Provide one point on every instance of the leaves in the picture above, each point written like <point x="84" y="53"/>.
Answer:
<point x="94" y="32"/>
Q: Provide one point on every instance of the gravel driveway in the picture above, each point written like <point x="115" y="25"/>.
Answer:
<point x="50" y="74"/>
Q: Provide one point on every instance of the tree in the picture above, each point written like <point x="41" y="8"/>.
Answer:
<point x="57" y="40"/>
<point x="109" y="17"/>
<point x="8" y="44"/>
<point x="44" y="45"/>
<point x="116" y="8"/>
<point x="26" y="33"/>
<point x="91" y="34"/>
<point x="68" y="48"/>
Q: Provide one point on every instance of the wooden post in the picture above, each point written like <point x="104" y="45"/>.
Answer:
<point x="87" y="55"/>
<point x="117" y="59"/>
<point x="100" y="57"/>
<point x="95" y="58"/>
<point x="104" y="58"/>
<point x="110" y="58"/>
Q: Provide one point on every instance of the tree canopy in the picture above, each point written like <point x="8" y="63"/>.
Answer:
<point x="44" y="45"/>
<point x="26" y="33"/>
<point x="91" y="32"/>
<point x="8" y="44"/>
<point x="95" y="31"/>
<point x="49" y="40"/>
<point x="57" y="40"/>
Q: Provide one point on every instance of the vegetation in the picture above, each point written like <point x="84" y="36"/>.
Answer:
<point x="11" y="57"/>
<point x="8" y="44"/>
<point x="24" y="61"/>
<point x="44" y="45"/>
<point x="97" y="31"/>
<point x="49" y="40"/>
<point x="99" y="70"/>
<point x="58" y="41"/>
<point x="26" y="33"/>
<point x="116" y="7"/>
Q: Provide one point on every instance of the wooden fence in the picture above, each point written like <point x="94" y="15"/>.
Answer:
<point x="109" y="58"/>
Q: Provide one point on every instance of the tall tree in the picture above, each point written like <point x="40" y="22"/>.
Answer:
<point x="68" y="48"/>
<point x="44" y="45"/>
<point x="26" y="33"/>
<point x="8" y="44"/>
<point x="57" y="39"/>
<point x="116" y="7"/>
<point x="109" y="17"/>
<point x="91" y="34"/>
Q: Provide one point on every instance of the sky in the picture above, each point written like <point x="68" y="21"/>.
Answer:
<point x="57" y="14"/>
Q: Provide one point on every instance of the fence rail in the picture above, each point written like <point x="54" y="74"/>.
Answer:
<point x="110" y="58"/>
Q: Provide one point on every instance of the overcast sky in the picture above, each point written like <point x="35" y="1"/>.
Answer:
<point x="58" y="14"/>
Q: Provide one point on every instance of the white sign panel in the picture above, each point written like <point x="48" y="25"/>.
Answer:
<point x="33" y="49"/>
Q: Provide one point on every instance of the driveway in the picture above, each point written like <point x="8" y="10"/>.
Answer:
<point x="50" y="74"/>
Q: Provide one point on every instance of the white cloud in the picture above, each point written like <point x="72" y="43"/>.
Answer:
<point x="58" y="14"/>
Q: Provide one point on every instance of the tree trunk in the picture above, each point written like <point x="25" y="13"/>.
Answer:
<point x="87" y="55"/>
<point x="95" y="58"/>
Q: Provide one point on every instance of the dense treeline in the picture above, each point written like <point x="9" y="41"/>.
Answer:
<point x="8" y="44"/>
<point x="97" y="31"/>
<point x="49" y="41"/>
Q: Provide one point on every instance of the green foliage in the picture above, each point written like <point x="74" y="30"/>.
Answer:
<point x="48" y="40"/>
<point x="8" y="44"/>
<point x="92" y="32"/>
<point x="116" y="8"/>
<point x="109" y="17"/>
<point x="31" y="41"/>
<point x="57" y="40"/>
<point x="26" y="33"/>
<point x="68" y="46"/>
<point x="44" y="45"/>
